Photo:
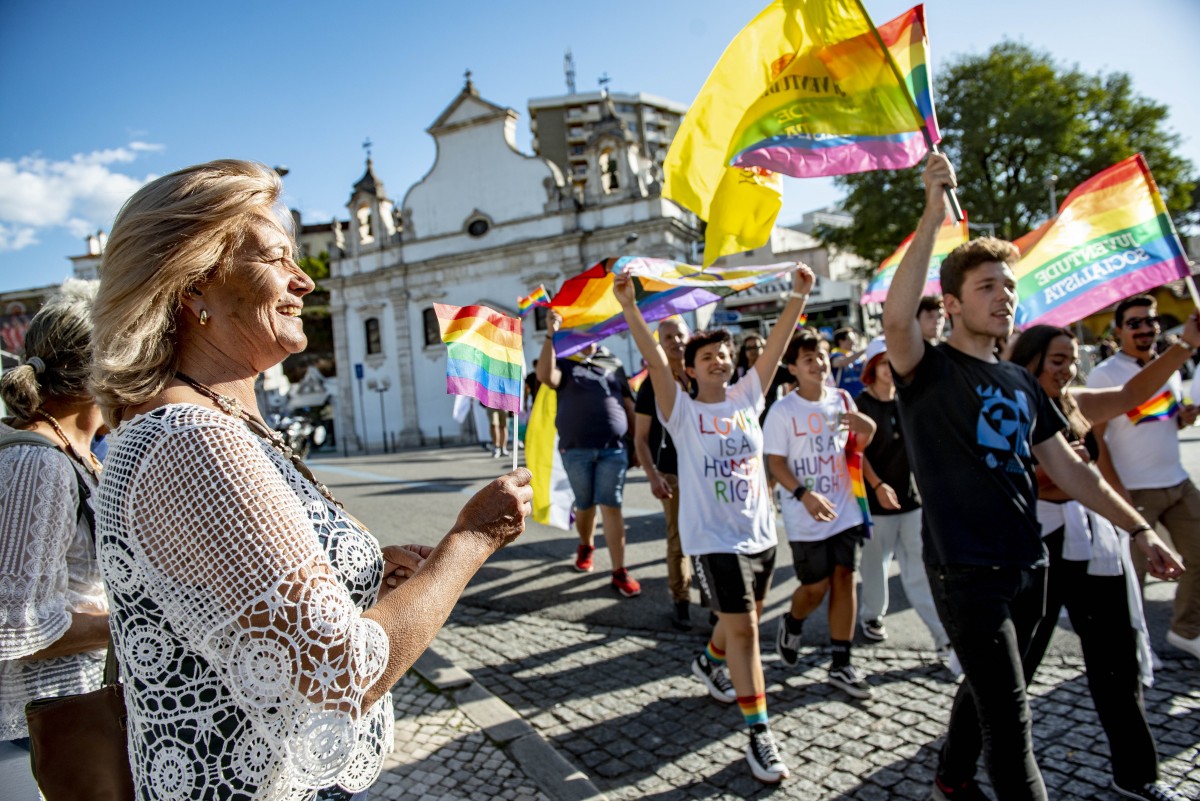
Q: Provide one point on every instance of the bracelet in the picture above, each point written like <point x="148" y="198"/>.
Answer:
<point x="799" y="491"/>
<point x="1144" y="527"/>
<point x="1182" y="344"/>
<point x="794" y="295"/>
<point x="875" y="487"/>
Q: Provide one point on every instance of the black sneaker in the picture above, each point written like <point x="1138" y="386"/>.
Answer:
<point x="874" y="630"/>
<point x="716" y="678"/>
<point x="681" y="619"/>
<point x="763" y="755"/>
<point x="968" y="791"/>
<point x="787" y="645"/>
<point x="851" y="680"/>
<point x="1153" y="791"/>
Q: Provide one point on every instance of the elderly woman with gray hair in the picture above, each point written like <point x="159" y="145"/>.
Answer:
<point x="258" y="625"/>
<point x="53" y="613"/>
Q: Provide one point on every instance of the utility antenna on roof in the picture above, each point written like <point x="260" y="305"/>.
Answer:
<point x="366" y="145"/>
<point x="604" y="81"/>
<point x="569" y="69"/>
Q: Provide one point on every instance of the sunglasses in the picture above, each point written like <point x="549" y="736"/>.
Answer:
<point x="1134" y="323"/>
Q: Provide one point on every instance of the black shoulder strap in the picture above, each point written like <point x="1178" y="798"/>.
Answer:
<point x="82" y="510"/>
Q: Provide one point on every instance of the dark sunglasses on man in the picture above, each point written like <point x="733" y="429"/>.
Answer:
<point x="1134" y="323"/>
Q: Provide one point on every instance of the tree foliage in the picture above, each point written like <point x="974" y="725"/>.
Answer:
<point x="1011" y="118"/>
<point x="315" y="267"/>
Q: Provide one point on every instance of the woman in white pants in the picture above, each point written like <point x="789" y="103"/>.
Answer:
<point x="895" y="510"/>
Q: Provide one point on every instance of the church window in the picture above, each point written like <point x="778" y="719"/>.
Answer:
<point x="374" y="340"/>
<point x="477" y="227"/>
<point x="433" y="331"/>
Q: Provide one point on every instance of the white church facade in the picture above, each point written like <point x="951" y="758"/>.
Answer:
<point x="486" y="225"/>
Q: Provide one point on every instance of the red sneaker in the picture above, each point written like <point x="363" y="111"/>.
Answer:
<point x="626" y="584"/>
<point x="583" y="558"/>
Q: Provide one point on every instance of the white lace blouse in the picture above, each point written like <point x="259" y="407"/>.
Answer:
<point x="47" y="571"/>
<point x="237" y="593"/>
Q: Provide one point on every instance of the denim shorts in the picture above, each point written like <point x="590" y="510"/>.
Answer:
<point x="597" y="475"/>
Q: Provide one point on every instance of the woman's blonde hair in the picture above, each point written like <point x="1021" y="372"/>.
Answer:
<point x="175" y="233"/>
<point x="58" y="353"/>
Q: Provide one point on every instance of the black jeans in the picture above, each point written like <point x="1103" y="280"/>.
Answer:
<point x="990" y="614"/>
<point x="1099" y="613"/>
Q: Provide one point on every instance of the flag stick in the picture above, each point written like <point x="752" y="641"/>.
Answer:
<point x="517" y="414"/>
<point x="1191" y="285"/>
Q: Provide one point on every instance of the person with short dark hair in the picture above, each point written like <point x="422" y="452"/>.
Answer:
<point x="974" y="426"/>
<point x="727" y="522"/>
<point x="846" y="360"/>
<point x="931" y="315"/>
<point x="805" y="439"/>
<point x="1139" y="455"/>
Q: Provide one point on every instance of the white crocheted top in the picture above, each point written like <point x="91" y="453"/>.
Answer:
<point x="237" y="593"/>
<point x="47" y="571"/>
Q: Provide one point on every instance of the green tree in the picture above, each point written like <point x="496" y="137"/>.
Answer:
<point x="1011" y="118"/>
<point x="316" y="267"/>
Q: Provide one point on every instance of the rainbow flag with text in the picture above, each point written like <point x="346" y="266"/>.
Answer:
<point x="1112" y="239"/>
<point x="950" y="236"/>
<point x="484" y="359"/>
<point x="1163" y="406"/>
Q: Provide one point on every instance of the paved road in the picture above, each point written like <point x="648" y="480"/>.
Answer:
<point x="604" y="679"/>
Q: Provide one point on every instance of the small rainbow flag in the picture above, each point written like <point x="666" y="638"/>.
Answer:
<point x="637" y="379"/>
<point x="1112" y="239"/>
<point x="537" y="297"/>
<point x="1161" y="407"/>
<point x="858" y="486"/>
<point x="845" y="105"/>
<point x="484" y="359"/>
<point x="950" y="236"/>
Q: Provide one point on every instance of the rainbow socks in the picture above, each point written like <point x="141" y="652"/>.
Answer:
<point x="714" y="654"/>
<point x="754" y="709"/>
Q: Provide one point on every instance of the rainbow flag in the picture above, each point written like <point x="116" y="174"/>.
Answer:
<point x="858" y="485"/>
<point x="845" y="104"/>
<point x="590" y="312"/>
<point x="1112" y="239"/>
<point x="950" y="236"/>
<point x="484" y="359"/>
<point x="537" y="297"/>
<point x="1163" y="406"/>
<point x="637" y="379"/>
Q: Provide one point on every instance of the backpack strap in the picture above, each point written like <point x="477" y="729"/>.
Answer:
<point x="82" y="510"/>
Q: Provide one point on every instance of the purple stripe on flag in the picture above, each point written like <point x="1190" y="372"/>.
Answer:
<point x="809" y="158"/>
<point x="493" y="400"/>
<point x="657" y="307"/>
<point x="1112" y="290"/>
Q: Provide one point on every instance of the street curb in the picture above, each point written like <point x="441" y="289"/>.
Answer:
<point x="538" y="759"/>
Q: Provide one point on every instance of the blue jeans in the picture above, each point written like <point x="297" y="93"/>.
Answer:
<point x="596" y="475"/>
<point x="990" y="614"/>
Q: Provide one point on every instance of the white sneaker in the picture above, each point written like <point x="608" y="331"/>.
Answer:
<point x="715" y="678"/>
<point x="763" y="755"/>
<point x="1192" y="646"/>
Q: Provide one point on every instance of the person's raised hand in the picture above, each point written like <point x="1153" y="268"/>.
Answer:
<point x="624" y="290"/>
<point x="938" y="174"/>
<point x="820" y="507"/>
<point x="1160" y="561"/>
<point x="498" y="511"/>
<point x="1191" y="330"/>
<point x="553" y="321"/>
<point x="803" y="278"/>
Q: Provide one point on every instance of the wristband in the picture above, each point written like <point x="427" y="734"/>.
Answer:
<point x="1182" y="344"/>
<point x="875" y="487"/>
<point x="799" y="491"/>
<point x="1144" y="527"/>
<point x="798" y="295"/>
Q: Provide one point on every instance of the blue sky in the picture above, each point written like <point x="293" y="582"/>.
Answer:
<point x="99" y="97"/>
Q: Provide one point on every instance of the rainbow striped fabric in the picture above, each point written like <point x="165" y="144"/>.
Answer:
<point x="844" y="105"/>
<point x="1112" y="239"/>
<point x="484" y="359"/>
<point x="590" y="311"/>
<point x="1163" y="406"/>
<point x="537" y="297"/>
<point x="858" y="485"/>
<point x="950" y="236"/>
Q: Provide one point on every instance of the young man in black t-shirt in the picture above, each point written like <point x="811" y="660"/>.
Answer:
<point x="974" y="427"/>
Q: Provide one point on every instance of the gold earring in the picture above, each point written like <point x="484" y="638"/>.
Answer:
<point x="204" y="317"/>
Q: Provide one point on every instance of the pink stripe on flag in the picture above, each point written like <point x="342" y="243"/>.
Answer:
<point x="493" y="400"/>
<point x="840" y="160"/>
<point x="1112" y="290"/>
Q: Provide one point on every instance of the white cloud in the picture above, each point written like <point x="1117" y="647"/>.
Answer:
<point x="81" y="194"/>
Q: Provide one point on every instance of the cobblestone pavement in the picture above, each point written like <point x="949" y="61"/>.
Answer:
<point x="623" y="707"/>
<point x="441" y="754"/>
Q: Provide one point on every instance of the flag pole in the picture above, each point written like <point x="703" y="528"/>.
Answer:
<point x="517" y="414"/>
<point x="1191" y="285"/>
<point x="951" y="198"/>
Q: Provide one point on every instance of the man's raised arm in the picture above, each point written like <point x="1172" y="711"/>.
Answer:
<point x="900" y="325"/>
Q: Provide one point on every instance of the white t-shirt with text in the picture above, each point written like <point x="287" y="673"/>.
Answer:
<point x="810" y="435"/>
<point x="724" y="506"/>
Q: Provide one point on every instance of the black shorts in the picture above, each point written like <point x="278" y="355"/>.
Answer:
<point x="814" y="561"/>
<point x="734" y="582"/>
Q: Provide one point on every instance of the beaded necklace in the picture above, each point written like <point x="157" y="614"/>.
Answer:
<point x="91" y="464"/>
<point x="232" y="407"/>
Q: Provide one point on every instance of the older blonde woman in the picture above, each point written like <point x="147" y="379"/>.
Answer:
<point x="258" y="625"/>
<point x="53" y="614"/>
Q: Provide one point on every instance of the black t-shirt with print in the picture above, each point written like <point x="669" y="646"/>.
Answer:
<point x="969" y="426"/>
<point x="888" y="455"/>
<point x="661" y="446"/>
<point x="591" y="411"/>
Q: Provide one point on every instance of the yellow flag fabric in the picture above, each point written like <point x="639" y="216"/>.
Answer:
<point x="552" y="496"/>
<point x="740" y="205"/>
